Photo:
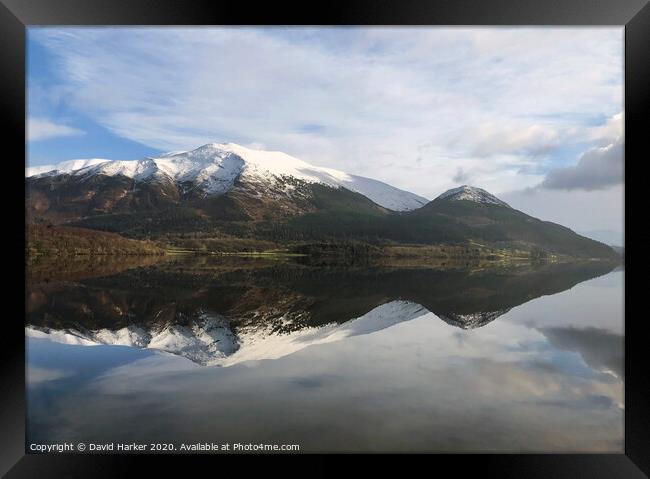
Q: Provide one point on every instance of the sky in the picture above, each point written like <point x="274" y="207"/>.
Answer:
<point x="533" y="115"/>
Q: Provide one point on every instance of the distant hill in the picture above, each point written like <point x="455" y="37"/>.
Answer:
<point x="467" y="216"/>
<point x="494" y="222"/>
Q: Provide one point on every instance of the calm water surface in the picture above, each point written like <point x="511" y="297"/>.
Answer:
<point x="354" y="358"/>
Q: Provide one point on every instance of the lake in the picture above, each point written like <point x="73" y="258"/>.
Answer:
<point x="329" y="357"/>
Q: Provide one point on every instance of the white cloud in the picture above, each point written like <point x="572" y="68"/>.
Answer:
<point x="44" y="129"/>
<point x="611" y="131"/>
<point x="529" y="141"/>
<point x="588" y="195"/>
<point x="597" y="168"/>
<point x="409" y="106"/>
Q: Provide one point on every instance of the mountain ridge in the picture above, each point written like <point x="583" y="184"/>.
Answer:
<point x="229" y="191"/>
<point x="214" y="167"/>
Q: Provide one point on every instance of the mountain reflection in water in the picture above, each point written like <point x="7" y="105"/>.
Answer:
<point x="217" y="311"/>
<point x="332" y="358"/>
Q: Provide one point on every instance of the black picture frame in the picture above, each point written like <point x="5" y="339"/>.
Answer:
<point x="634" y="15"/>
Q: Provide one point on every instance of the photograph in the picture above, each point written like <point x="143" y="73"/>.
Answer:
<point x="324" y="239"/>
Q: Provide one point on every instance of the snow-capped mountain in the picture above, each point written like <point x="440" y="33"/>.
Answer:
<point x="471" y="193"/>
<point x="211" y="341"/>
<point x="214" y="168"/>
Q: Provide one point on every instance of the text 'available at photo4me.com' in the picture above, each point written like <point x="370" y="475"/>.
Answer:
<point x="133" y="447"/>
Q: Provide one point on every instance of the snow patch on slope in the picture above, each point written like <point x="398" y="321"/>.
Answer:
<point x="63" y="167"/>
<point x="470" y="193"/>
<point x="383" y="194"/>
